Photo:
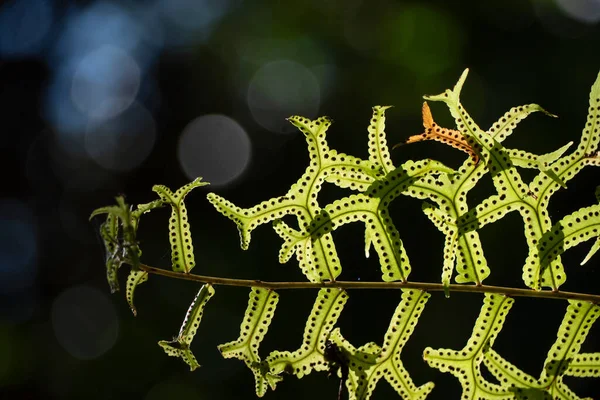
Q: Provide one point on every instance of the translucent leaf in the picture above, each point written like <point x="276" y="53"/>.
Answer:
<point x="325" y="312"/>
<point x="257" y="318"/>
<point x="465" y="364"/>
<point x="135" y="278"/>
<point x="563" y="359"/>
<point x="371" y="208"/>
<point x="578" y="227"/>
<point x="182" y="251"/>
<point x="326" y="165"/>
<point x="586" y="365"/>
<point x="369" y="363"/>
<point x="378" y="149"/>
<point x="180" y="346"/>
<point x="454" y="220"/>
<point x="504" y="127"/>
<point x="528" y="199"/>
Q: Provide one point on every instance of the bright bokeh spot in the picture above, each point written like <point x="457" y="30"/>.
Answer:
<point x="105" y="83"/>
<point x="24" y="24"/>
<point x="564" y="18"/>
<point x="18" y="247"/>
<point x="85" y="322"/>
<point x="281" y="89"/>
<point x="124" y="142"/>
<point x="100" y="63"/>
<point x="214" y="147"/>
<point x="586" y="11"/>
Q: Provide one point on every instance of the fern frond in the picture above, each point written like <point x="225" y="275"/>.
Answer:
<point x="135" y="278"/>
<point x="180" y="346"/>
<point x="578" y="227"/>
<point x="310" y="356"/>
<point x="379" y="153"/>
<point x="369" y="363"/>
<point x="563" y="358"/>
<point x="465" y="364"/>
<point x="182" y="250"/>
<point x="257" y="318"/>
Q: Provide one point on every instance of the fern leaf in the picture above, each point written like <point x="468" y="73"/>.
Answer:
<point x="369" y="363"/>
<point x="578" y="227"/>
<point x="504" y="127"/>
<point x="326" y="165"/>
<point x="371" y="208"/>
<point x="182" y="251"/>
<point x="257" y="318"/>
<point x="586" y="365"/>
<point x="509" y="183"/>
<point x="465" y="364"/>
<point x="449" y="192"/>
<point x="563" y="359"/>
<point x="325" y="312"/>
<point x="180" y="346"/>
<point x="379" y="153"/>
<point x="135" y="278"/>
<point x="143" y="209"/>
<point x="247" y="219"/>
<point x="576" y="324"/>
<point x="510" y="375"/>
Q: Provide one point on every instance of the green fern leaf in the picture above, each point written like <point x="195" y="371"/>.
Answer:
<point x="310" y="356"/>
<point x="379" y="153"/>
<point x="585" y="365"/>
<point x="369" y="363"/>
<point x="180" y="346"/>
<point x="371" y="208"/>
<point x="563" y="358"/>
<point x="257" y="318"/>
<point x="462" y="247"/>
<point x="465" y="364"/>
<point x="326" y="165"/>
<point x="135" y="278"/>
<point x="182" y="251"/>
<point x="578" y="227"/>
<point x="509" y="184"/>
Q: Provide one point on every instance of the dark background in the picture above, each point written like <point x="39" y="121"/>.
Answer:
<point x="100" y="98"/>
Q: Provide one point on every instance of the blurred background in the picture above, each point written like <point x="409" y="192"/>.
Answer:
<point x="99" y="98"/>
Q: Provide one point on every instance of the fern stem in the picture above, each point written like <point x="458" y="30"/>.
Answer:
<point x="425" y="286"/>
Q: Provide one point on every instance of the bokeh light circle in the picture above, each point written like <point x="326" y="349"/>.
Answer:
<point x="214" y="147"/>
<point x="281" y="89"/>
<point x="24" y="25"/>
<point x="105" y="82"/>
<point x="123" y="142"/>
<point x="85" y="322"/>
<point x="586" y="11"/>
<point x="18" y="247"/>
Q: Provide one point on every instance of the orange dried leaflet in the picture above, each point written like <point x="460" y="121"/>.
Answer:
<point x="433" y="131"/>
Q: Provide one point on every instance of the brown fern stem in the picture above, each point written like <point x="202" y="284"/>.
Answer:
<point x="428" y="287"/>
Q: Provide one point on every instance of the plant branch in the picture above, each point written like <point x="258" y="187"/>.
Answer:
<point x="430" y="287"/>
